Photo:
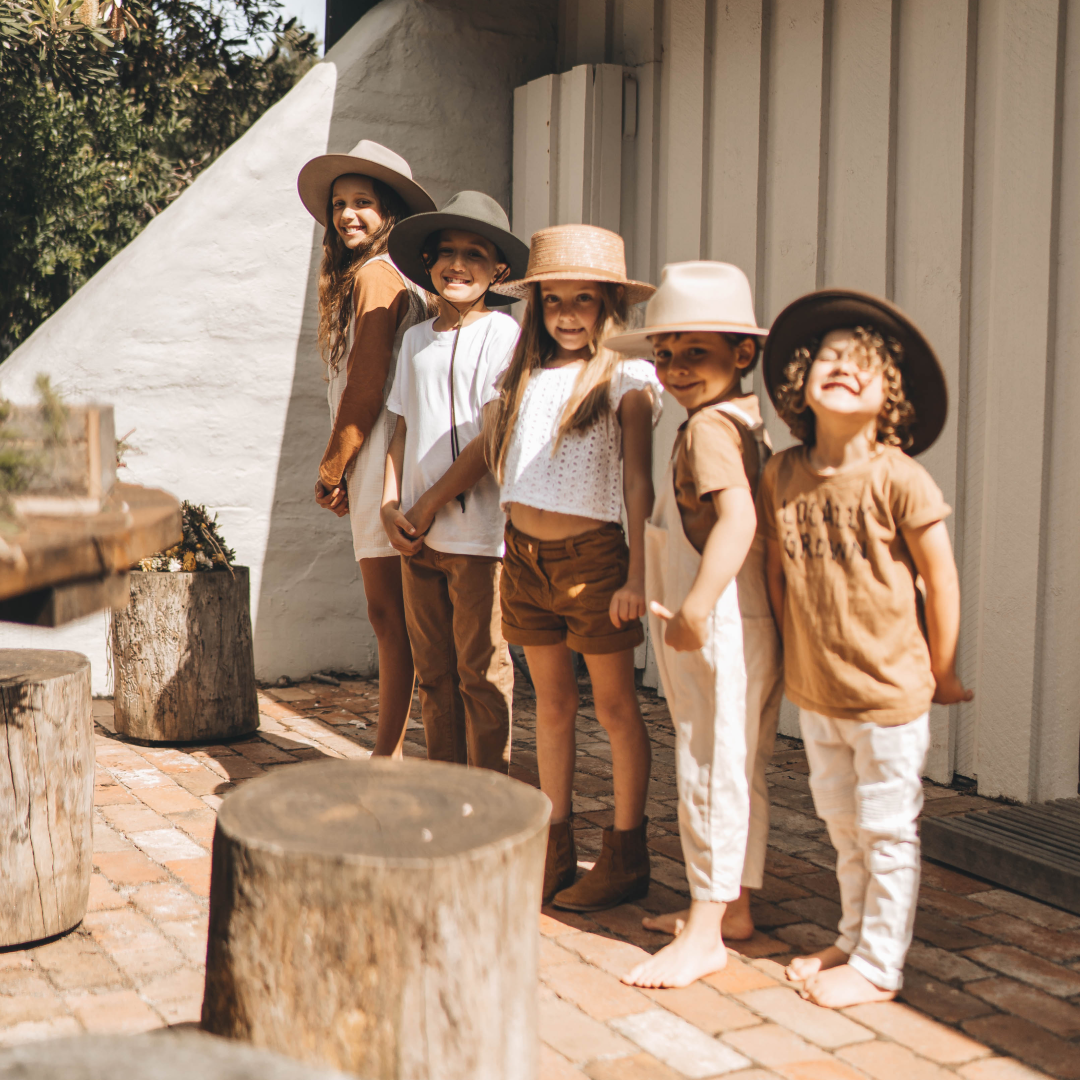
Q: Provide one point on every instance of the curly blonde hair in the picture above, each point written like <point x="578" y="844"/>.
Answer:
<point x="897" y="416"/>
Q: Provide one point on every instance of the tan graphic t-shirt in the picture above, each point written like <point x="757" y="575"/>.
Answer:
<point x="853" y="647"/>
<point x="713" y="452"/>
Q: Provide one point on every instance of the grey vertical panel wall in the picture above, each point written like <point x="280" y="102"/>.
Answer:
<point x="928" y="150"/>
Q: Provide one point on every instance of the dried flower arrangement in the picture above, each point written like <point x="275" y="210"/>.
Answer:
<point x="201" y="549"/>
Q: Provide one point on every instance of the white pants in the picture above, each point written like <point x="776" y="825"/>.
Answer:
<point x="866" y="784"/>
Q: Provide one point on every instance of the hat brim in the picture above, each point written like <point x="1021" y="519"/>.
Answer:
<point x="636" y="291"/>
<point x="638" y="343"/>
<point x="816" y="314"/>
<point x="408" y="236"/>
<point x="317" y="177"/>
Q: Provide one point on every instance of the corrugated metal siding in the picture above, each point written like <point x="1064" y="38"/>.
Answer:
<point x="928" y="150"/>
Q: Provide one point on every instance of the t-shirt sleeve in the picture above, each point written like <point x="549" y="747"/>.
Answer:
<point x="916" y="500"/>
<point x="766" y="500"/>
<point x="714" y="453"/>
<point x="499" y="353"/>
<point x="637" y="375"/>
<point x="395" y="401"/>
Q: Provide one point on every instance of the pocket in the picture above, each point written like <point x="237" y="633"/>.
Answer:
<point x="594" y="577"/>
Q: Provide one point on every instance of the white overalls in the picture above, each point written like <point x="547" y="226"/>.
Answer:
<point x="724" y="700"/>
<point x="364" y="474"/>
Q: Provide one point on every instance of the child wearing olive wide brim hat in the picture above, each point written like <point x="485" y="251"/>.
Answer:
<point x="440" y="506"/>
<point x="850" y="520"/>
<point x="711" y="628"/>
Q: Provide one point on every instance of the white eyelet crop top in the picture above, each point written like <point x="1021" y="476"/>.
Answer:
<point x="585" y="476"/>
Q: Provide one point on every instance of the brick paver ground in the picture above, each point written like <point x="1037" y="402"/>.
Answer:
<point x="992" y="985"/>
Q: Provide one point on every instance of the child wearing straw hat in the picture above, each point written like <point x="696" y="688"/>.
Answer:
<point x="440" y="507"/>
<point x="365" y="307"/>
<point x="572" y="415"/>
<point x="715" y="641"/>
<point x="850" y="520"/>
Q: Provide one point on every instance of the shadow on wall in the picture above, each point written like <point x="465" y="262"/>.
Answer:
<point x="434" y="81"/>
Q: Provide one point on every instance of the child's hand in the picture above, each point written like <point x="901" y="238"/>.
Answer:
<point x="685" y="632"/>
<point x="400" y="530"/>
<point x="627" y="603"/>
<point x="420" y="516"/>
<point x="950" y="690"/>
<point x="336" y="498"/>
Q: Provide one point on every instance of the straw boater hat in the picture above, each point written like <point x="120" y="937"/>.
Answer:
<point x="814" y="315"/>
<point x="706" y="296"/>
<point x="367" y="158"/>
<point x="469" y="211"/>
<point x="576" y="253"/>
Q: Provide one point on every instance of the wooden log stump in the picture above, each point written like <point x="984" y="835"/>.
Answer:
<point x="165" y="1055"/>
<point x="183" y="666"/>
<point x="380" y="917"/>
<point x="46" y="792"/>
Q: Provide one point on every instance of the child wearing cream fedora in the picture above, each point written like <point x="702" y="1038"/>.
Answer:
<point x="716" y="644"/>
<point x="365" y="307"/>
<point x="850" y="520"/>
<point x="570" y="444"/>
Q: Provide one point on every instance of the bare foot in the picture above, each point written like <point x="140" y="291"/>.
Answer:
<point x="698" y="950"/>
<point x="839" y="987"/>
<point x="802" y="968"/>
<point x="672" y="923"/>
<point x="738" y="923"/>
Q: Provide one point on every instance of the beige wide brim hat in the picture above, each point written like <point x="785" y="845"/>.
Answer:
<point x="705" y="296"/>
<point x="367" y="158"/>
<point x="576" y="253"/>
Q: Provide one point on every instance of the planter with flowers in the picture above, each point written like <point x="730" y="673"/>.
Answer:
<point x="183" y="667"/>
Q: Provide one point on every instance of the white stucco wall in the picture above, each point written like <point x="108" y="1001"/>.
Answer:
<point x="201" y="332"/>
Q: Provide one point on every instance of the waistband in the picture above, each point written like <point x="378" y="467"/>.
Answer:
<point x="601" y="537"/>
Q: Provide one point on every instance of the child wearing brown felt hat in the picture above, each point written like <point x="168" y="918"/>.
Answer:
<point x="850" y="521"/>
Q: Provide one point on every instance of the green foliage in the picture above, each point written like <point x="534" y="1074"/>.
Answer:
<point x="106" y="122"/>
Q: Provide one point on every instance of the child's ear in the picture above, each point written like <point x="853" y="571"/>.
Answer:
<point x="745" y="352"/>
<point x="502" y="273"/>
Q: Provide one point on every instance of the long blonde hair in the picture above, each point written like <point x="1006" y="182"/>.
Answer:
<point x="590" y="398"/>
<point x="340" y="267"/>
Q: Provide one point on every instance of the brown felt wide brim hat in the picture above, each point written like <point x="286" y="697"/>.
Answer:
<point x="467" y="211"/>
<point x="814" y="315"/>
<point x="367" y="158"/>
<point x="576" y="253"/>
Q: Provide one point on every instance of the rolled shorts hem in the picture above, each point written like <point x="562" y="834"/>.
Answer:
<point x="874" y="974"/>
<point x="629" y="638"/>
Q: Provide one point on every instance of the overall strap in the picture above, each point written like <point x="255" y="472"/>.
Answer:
<point x="755" y="427"/>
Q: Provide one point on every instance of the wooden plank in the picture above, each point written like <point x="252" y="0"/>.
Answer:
<point x="60" y="604"/>
<point x="535" y="156"/>
<point x="605" y="196"/>
<point x="573" y="134"/>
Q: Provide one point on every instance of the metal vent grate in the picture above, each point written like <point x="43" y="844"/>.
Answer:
<point x="1034" y="850"/>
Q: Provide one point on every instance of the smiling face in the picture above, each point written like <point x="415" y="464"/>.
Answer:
<point x="845" y="383"/>
<point x="699" y="368"/>
<point x="464" y="266"/>
<point x="571" y="310"/>
<point x="357" y="212"/>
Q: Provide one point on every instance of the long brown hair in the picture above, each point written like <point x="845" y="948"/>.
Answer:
<point x="590" y="398"/>
<point x="337" y="274"/>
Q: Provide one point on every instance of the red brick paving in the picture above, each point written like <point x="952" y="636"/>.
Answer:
<point x="992" y="987"/>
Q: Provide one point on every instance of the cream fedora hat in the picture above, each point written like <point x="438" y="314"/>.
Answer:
<point x="366" y="158"/>
<point x="710" y="296"/>
<point x="576" y="253"/>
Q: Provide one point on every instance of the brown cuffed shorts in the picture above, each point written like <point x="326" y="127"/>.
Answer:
<point x="560" y="590"/>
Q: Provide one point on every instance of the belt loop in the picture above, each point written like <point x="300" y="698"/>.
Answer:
<point x="571" y="547"/>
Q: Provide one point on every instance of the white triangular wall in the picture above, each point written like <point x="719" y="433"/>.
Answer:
<point x="201" y="333"/>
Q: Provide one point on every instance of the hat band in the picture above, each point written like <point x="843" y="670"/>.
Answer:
<point x="587" y="272"/>
<point x="657" y="327"/>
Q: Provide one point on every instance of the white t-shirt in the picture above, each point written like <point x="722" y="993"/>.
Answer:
<point x="585" y="476"/>
<point x="421" y="394"/>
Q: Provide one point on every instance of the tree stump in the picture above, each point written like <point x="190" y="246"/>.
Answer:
<point x="46" y="792"/>
<point x="183" y="666"/>
<point x="380" y="917"/>
<point x="165" y="1055"/>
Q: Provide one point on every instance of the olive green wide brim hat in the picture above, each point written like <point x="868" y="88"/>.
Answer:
<point x="812" y="316"/>
<point x="467" y="211"/>
<point x="367" y="158"/>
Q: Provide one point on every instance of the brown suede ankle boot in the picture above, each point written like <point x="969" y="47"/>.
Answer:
<point x="620" y="874"/>
<point x="560" y="867"/>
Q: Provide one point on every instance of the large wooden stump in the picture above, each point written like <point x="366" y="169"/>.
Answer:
<point x="46" y="792"/>
<point x="380" y="917"/>
<point x="183" y="665"/>
<point x="165" y="1055"/>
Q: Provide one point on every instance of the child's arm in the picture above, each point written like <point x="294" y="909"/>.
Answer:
<point x="468" y="468"/>
<point x="725" y="551"/>
<point x="774" y="580"/>
<point x="397" y="525"/>
<point x="635" y="415"/>
<point x="932" y="552"/>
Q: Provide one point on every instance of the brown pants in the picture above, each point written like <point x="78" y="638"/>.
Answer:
<point x="463" y="666"/>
